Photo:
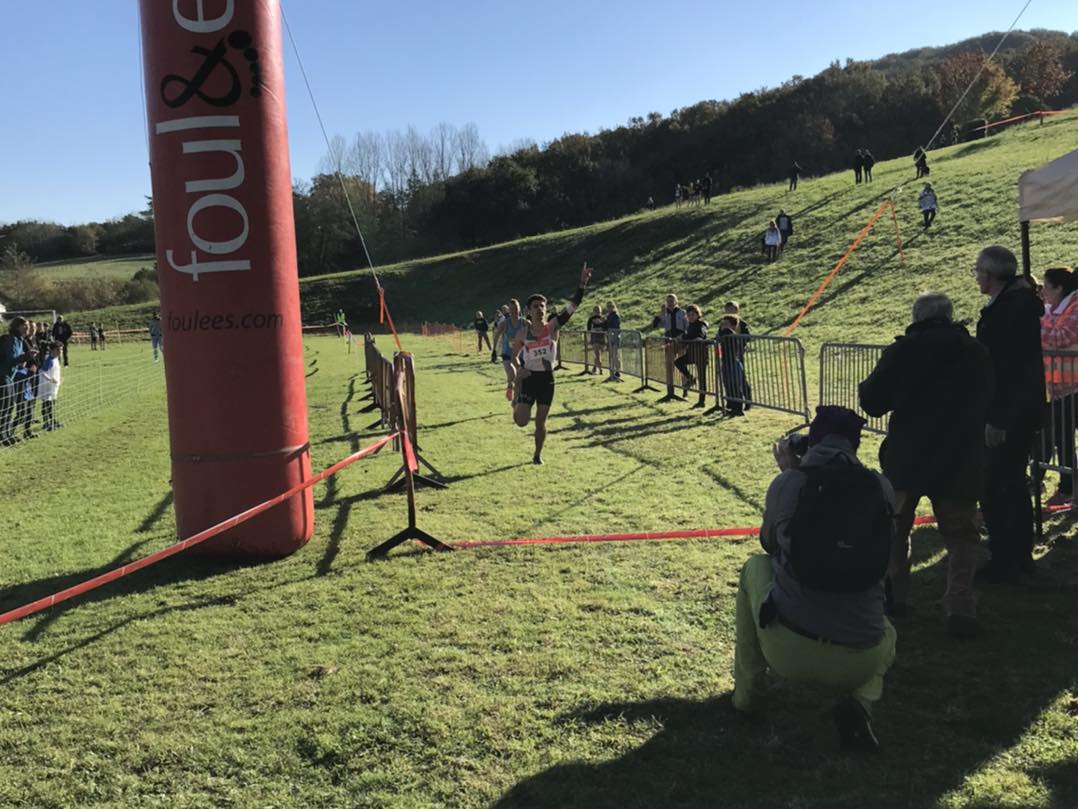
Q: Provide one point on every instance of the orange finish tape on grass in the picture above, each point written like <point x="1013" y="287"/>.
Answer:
<point x="124" y="570"/>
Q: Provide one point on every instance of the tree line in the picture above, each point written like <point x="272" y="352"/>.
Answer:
<point x="415" y="193"/>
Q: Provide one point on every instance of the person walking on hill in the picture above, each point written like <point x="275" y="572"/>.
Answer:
<point x="785" y="225"/>
<point x="935" y="381"/>
<point x="1059" y="332"/>
<point x="812" y="609"/>
<point x="858" y="166"/>
<point x="157" y="341"/>
<point x="61" y="333"/>
<point x="868" y="162"/>
<point x="539" y="344"/>
<point x="928" y="204"/>
<point x="920" y="162"/>
<point x="772" y="241"/>
<point x="794" y="173"/>
<point x="1010" y="328"/>
<point x="481" y="328"/>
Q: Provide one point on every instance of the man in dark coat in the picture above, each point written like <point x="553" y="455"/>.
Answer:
<point x="1010" y="328"/>
<point x="61" y="333"/>
<point x="858" y="165"/>
<point x="936" y="382"/>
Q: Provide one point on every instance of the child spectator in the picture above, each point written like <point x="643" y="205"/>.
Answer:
<point x="696" y="350"/>
<point x="732" y="352"/>
<point x="596" y="338"/>
<point x="49" y="386"/>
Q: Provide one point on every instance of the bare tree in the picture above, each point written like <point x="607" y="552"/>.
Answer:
<point x="420" y="156"/>
<point x="518" y="145"/>
<point x="443" y="138"/>
<point x="367" y="159"/>
<point x="471" y="150"/>
<point x="334" y="160"/>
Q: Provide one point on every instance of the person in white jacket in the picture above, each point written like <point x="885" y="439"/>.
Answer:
<point x="772" y="241"/>
<point x="49" y="386"/>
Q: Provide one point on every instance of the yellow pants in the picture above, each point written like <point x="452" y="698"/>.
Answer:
<point x="858" y="672"/>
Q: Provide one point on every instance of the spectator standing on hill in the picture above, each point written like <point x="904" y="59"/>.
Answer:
<point x="157" y="340"/>
<point x="93" y="337"/>
<point x="1059" y="331"/>
<point x="694" y="341"/>
<point x="613" y="336"/>
<point x="927" y="202"/>
<point x="596" y="339"/>
<point x="935" y="381"/>
<point x="14" y="354"/>
<point x="677" y="195"/>
<point x="49" y="387"/>
<point x="795" y="173"/>
<point x="481" y="328"/>
<point x="920" y="162"/>
<point x="772" y="241"/>
<point x="101" y="335"/>
<point x="706" y="186"/>
<point x="785" y="225"/>
<point x="811" y="610"/>
<point x="61" y="332"/>
<point x="1010" y="328"/>
<point x="869" y="161"/>
<point x="858" y="166"/>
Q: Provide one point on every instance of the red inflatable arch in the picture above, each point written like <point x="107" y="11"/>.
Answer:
<point x="226" y="257"/>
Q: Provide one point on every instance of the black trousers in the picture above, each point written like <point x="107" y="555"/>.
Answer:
<point x="929" y="215"/>
<point x="7" y="408"/>
<point x="1061" y="437"/>
<point x="64" y="349"/>
<point x="1006" y="504"/>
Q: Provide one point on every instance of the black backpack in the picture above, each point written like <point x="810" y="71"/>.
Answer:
<point x="841" y="531"/>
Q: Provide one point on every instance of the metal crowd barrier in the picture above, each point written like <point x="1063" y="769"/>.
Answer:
<point x="843" y="367"/>
<point x="761" y="371"/>
<point x="621" y="351"/>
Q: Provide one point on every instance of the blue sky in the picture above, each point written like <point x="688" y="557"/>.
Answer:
<point x="73" y="134"/>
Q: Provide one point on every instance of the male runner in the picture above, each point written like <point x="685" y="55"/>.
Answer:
<point x="539" y="342"/>
<point x="509" y="329"/>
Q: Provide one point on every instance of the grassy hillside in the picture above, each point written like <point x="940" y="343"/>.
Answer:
<point x="710" y="254"/>
<point x="566" y="676"/>
<point x="120" y="268"/>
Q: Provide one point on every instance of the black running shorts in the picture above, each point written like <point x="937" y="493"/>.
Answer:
<point x="537" y="388"/>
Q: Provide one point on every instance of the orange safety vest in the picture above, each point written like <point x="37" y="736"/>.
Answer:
<point x="1061" y="373"/>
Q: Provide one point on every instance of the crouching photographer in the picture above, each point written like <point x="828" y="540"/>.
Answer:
<point x="811" y="610"/>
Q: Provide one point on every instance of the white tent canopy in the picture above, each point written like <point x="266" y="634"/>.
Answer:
<point x="1050" y="193"/>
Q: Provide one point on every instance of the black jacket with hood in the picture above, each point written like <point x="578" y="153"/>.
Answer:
<point x="936" y="382"/>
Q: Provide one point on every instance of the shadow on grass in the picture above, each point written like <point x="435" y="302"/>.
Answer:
<point x="949" y="710"/>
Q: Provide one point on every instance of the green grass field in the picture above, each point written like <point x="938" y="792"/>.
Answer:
<point x="564" y="676"/>
<point x="120" y="268"/>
